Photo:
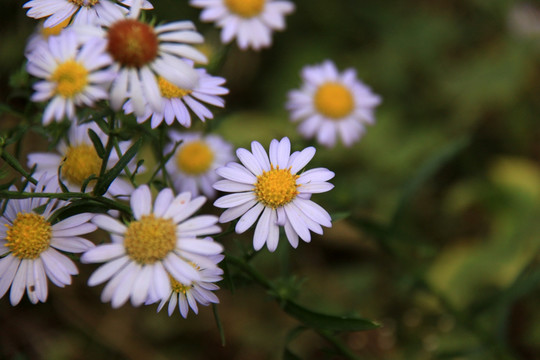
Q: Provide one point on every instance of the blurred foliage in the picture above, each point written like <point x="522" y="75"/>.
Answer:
<point x="454" y="274"/>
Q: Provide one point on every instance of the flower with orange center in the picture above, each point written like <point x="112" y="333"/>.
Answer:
<point x="251" y="22"/>
<point x="331" y="104"/>
<point x="162" y="239"/>
<point x="29" y="245"/>
<point x="193" y="166"/>
<point x="270" y="190"/>
<point x="142" y="52"/>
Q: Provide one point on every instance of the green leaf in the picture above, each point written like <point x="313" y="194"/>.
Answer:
<point x="105" y="181"/>
<point x="78" y="207"/>
<point x="423" y="174"/>
<point x="326" y="322"/>
<point x="100" y="150"/>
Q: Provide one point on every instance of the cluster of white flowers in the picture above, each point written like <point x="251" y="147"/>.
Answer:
<point x="91" y="53"/>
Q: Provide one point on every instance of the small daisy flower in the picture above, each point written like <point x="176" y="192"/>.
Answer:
<point x="193" y="166"/>
<point x="30" y="245"/>
<point x="177" y="101"/>
<point x="79" y="160"/>
<point x="42" y="34"/>
<point x="250" y="21"/>
<point x="73" y="75"/>
<point x="331" y="104"/>
<point x="86" y="12"/>
<point x="273" y="191"/>
<point x="187" y="296"/>
<point x="161" y="240"/>
<point x="142" y="53"/>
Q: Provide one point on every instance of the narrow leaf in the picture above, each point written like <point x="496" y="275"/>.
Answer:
<point x="100" y="150"/>
<point x="107" y="178"/>
<point x="326" y="322"/>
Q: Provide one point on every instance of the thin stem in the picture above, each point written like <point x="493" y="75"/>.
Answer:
<point x="66" y="196"/>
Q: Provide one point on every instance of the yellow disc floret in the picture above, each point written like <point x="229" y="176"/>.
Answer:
<point x="245" y="8"/>
<point x="334" y="100"/>
<point x="55" y="30"/>
<point x="178" y="287"/>
<point x="194" y="158"/>
<point x="80" y="162"/>
<point x="170" y="91"/>
<point x="71" y="78"/>
<point x="29" y="235"/>
<point x="276" y="187"/>
<point x="150" y="239"/>
<point x="87" y="3"/>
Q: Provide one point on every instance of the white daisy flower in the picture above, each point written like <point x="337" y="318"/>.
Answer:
<point x="250" y="21"/>
<point x="73" y="75"/>
<point x="193" y="166"/>
<point x="79" y="12"/>
<point x="143" y="52"/>
<point x="177" y="101"/>
<point x="273" y="189"/>
<point x="187" y="296"/>
<point x="79" y="160"/>
<point x="331" y="104"/>
<point x="161" y="240"/>
<point x="42" y="34"/>
<point x="30" y="245"/>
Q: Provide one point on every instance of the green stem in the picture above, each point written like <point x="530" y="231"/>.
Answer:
<point x="66" y="196"/>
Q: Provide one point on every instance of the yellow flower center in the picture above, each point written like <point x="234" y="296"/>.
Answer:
<point x="132" y="43"/>
<point x="80" y="162"/>
<point x="150" y="239"/>
<point x="54" y="30"/>
<point x="169" y="90"/>
<point x="334" y="100"/>
<point x="71" y="78"/>
<point x="194" y="158"/>
<point x="178" y="287"/>
<point x="245" y="8"/>
<point x="276" y="187"/>
<point x="29" y="236"/>
<point x="87" y="3"/>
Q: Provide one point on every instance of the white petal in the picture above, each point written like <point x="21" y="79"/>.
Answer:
<point x="141" y="201"/>
<point x="103" y="253"/>
<point x="249" y="218"/>
<point x="107" y="223"/>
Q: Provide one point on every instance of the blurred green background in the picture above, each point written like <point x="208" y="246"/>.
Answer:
<point x="439" y="204"/>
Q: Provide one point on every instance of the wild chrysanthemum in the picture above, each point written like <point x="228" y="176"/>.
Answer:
<point x="161" y="240"/>
<point x="73" y="75"/>
<point x="30" y="244"/>
<point x="274" y="189"/>
<point x="177" y="101"/>
<point x="331" y="104"/>
<point x="193" y="166"/>
<point x="187" y="296"/>
<point x="42" y="34"/>
<point x="77" y="160"/>
<point x="250" y="21"/>
<point x="142" y="53"/>
<point x="79" y="12"/>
